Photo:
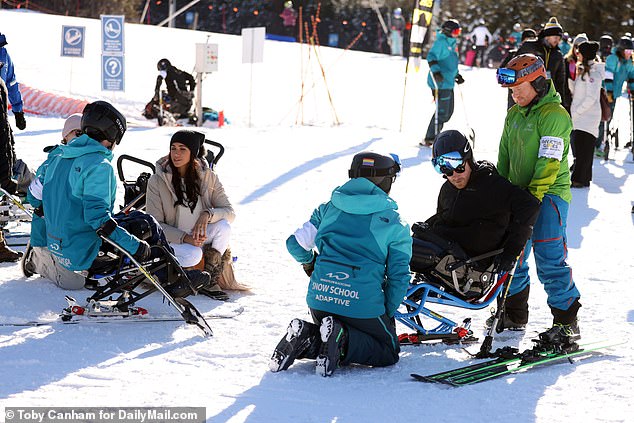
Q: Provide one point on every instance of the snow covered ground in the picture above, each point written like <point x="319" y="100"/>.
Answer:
<point x="276" y="170"/>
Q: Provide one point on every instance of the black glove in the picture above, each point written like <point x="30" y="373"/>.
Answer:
<point x="438" y="77"/>
<point x="143" y="252"/>
<point x="310" y="266"/>
<point x="19" y="120"/>
<point x="504" y="263"/>
<point x="459" y="79"/>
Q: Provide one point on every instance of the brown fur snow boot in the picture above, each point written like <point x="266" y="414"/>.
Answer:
<point x="213" y="265"/>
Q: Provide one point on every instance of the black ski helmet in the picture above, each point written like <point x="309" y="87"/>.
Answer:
<point x="449" y="26"/>
<point x="625" y="43"/>
<point x="163" y="64"/>
<point x="379" y="169"/>
<point x="450" y="141"/>
<point x="101" y="121"/>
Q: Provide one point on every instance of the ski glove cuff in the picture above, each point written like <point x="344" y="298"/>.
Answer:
<point x="504" y="263"/>
<point x="143" y="252"/>
<point x="310" y="266"/>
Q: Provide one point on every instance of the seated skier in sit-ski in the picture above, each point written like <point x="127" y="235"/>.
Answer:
<point x="74" y="195"/>
<point x="478" y="212"/>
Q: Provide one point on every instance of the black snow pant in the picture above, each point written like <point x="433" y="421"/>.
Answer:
<point x="445" y="111"/>
<point x="582" y="144"/>
<point x="372" y="342"/>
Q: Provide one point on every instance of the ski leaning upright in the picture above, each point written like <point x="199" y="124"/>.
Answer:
<point x="510" y="360"/>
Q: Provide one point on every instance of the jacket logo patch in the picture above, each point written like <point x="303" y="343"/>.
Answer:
<point x="340" y="276"/>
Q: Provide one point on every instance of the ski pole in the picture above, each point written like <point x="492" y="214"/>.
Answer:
<point x="400" y="127"/>
<point x="485" y="348"/>
<point x="466" y="119"/>
<point x="17" y="203"/>
<point x="183" y="306"/>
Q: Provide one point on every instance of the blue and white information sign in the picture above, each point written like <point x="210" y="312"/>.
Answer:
<point x="112" y="73"/>
<point x="73" y="40"/>
<point x="112" y="53"/>
<point x="112" y="34"/>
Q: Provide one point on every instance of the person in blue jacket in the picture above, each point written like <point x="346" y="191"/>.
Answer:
<point x="7" y="74"/>
<point x="619" y="70"/>
<point x="78" y="192"/>
<point x="37" y="259"/>
<point x="356" y="250"/>
<point x="443" y="72"/>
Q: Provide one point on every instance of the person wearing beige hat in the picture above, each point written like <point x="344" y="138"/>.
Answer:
<point x="72" y="128"/>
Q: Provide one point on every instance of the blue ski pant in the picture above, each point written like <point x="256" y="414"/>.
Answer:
<point x="445" y="111"/>
<point x="372" y="342"/>
<point x="548" y="243"/>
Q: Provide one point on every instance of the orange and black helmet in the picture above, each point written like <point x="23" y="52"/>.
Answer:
<point x="525" y="67"/>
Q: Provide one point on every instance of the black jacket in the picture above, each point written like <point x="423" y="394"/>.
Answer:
<point x="555" y="66"/>
<point x="489" y="213"/>
<point x="176" y="81"/>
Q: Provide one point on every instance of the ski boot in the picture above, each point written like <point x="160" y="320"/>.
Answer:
<point x="334" y="338"/>
<point x="300" y="341"/>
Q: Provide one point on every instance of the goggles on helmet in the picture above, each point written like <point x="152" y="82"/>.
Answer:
<point x="507" y="76"/>
<point x="449" y="163"/>
<point x="456" y="32"/>
<point x="398" y="166"/>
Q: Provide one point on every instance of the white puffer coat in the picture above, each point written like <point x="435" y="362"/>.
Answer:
<point x="586" y="108"/>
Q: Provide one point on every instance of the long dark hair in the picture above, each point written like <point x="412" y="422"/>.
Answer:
<point x="585" y="67"/>
<point x="189" y="198"/>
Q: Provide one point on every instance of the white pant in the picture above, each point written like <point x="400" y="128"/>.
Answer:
<point x="218" y="235"/>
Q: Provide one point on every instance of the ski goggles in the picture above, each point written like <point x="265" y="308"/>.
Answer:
<point x="449" y="163"/>
<point x="456" y="32"/>
<point x="507" y="76"/>
<point x="398" y="166"/>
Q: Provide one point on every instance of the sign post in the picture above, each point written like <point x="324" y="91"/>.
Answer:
<point x="252" y="52"/>
<point x="206" y="62"/>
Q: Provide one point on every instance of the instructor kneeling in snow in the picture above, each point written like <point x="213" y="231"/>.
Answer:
<point x="358" y="275"/>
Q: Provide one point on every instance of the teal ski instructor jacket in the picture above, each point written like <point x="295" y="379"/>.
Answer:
<point x="443" y="58"/>
<point x="78" y="197"/>
<point x="364" y="249"/>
